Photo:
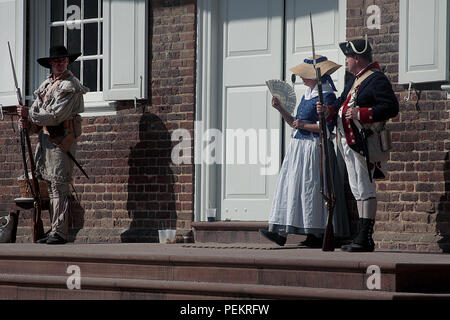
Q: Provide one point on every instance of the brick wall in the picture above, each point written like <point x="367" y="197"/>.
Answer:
<point x="134" y="189"/>
<point x="414" y="200"/>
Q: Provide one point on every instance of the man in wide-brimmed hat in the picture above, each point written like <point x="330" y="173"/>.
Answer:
<point x="298" y="206"/>
<point x="366" y="103"/>
<point x="55" y="117"/>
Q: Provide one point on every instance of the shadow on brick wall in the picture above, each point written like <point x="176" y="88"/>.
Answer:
<point x="151" y="198"/>
<point x="76" y="219"/>
<point x="443" y="216"/>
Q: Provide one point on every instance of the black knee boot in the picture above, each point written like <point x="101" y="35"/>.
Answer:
<point x="364" y="241"/>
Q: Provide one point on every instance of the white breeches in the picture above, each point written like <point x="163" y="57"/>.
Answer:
<point x="358" y="175"/>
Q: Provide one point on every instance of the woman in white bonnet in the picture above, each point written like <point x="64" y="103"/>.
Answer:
<point x="298" y="206"/>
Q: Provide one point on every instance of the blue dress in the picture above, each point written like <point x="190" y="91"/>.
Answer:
<point x="307" y="113"/>
<point x="298" y="206"/>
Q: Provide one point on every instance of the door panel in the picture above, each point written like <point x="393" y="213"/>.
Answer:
<point x="252" y="54"/>
<point x="242" y="172"/>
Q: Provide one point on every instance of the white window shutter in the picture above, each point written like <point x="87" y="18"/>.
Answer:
<point x="12" y="29"/>
<point x="424" y="41"/>
<point x="125" y="39"/>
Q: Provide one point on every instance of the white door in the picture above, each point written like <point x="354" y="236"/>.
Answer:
<point x="251" y="54"/>
<point x="261" y="40"/>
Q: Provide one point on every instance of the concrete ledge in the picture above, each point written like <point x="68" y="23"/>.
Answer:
<point x="43" y="287"/>
<point x="215" y="258"/>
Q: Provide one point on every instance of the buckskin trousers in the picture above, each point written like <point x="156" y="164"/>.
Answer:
<point x="59" y="208"/>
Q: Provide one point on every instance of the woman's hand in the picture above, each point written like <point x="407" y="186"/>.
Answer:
<point x="276" y="103"/>
<point x="320" y="108"/>
<point x="298" y="124"/>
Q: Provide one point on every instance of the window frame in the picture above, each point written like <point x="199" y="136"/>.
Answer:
<point x="82" y="22"/>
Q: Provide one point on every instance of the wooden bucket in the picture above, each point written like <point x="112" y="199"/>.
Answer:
<point x="25" y="188"/>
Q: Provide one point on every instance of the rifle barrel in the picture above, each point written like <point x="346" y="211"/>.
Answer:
<point x="328" y="241"/>
<point x="16" y="84"/>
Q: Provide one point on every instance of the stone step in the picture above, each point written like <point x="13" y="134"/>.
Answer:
<point x="32" y="287"/>
<point x="235" y="232"/>
<point x="216" y="271"/>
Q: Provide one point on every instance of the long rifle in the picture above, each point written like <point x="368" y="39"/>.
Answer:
<point x="324" y="159"/>
<point x="37" y="225"/>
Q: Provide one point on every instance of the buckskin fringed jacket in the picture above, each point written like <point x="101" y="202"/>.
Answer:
<point x="52" y="107"/>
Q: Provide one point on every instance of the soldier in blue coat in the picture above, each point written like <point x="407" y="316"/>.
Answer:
<point x="366" y="103"/>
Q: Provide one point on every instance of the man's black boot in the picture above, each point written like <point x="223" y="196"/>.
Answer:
<point x="45" y="237"/>
<point x="364" y="241"/>
<point x="56" y="239"/>
<point x="273" y="236"/>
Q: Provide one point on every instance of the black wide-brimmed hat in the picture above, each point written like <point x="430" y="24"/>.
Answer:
<point x="356" y="47"/>
<point x="58" y="52"/>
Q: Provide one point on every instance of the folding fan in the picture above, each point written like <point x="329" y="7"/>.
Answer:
<point x="284" y="92"/>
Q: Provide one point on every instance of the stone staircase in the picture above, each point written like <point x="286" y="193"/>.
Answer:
<point x="214" y="271"/>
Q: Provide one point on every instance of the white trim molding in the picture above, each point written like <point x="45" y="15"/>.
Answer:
<point x="206" y="98"/>
<point x="99" y="108"/>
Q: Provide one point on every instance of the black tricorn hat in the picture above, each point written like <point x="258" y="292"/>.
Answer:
<point x="58" y="52"/>
<point x="356" y="47"/>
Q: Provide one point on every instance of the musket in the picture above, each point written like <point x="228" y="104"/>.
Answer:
<point x="324" y="159"/>
<point x="37" y="225"/>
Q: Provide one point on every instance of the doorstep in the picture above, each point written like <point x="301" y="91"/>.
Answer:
<point x="235" y="232"/>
